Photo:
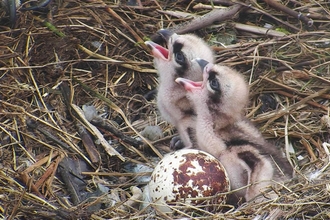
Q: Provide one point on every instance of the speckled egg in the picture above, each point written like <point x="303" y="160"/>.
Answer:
<point x="187" y="176"/>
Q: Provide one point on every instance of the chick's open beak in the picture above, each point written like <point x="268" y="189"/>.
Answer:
<point x="188" y="84"/>
<point x="157" y="50"/>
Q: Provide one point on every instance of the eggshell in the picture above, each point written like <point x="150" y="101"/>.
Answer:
<point x="187" y="176"/>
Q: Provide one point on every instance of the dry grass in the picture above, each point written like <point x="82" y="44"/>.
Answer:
<point x="96" y="56"/>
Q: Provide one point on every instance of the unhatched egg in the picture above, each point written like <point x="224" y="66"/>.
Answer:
<point x="187" y="176"/>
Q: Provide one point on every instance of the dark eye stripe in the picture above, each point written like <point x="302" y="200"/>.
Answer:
<point x="180" y="59"/>
<point x="212" y="75"/>
<point x="177" y="47"/>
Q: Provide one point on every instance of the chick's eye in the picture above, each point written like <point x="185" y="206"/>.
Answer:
<point x="214" y="85"/>
<point x="179" y="57"/>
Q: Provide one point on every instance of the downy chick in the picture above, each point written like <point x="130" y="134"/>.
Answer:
<point x="223" y="131"/>
<point x="172" y="63"/>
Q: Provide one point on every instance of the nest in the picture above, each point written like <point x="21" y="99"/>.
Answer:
<point x="76" y="55"/>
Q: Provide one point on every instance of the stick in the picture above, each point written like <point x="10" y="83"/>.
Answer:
<point x="221" y="14"/>
<point x="290" y="12"/>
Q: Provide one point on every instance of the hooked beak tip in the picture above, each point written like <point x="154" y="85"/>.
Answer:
<point x="202" y="63"/>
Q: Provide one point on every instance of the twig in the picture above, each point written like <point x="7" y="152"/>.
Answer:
<point x="33" y="125"/>
<point x="271" y="16"/>
<point x="299" y="15"/>
<point x="308" y="148"/>
<point x="107" y="147"/>
<point x="258" y="30"/>
<point x="315" y="104"/>
<point x="67" y="93"/>
<point x="137" y="37"/>
<point x="221" y="14"/>
<point x="88" y="142"/>
<point x="287" y="110"/>
<point x="121" y="63"/>
<point x="178" y="14"/>
<point x="203" y="6"/>
<point x="50" y="26"/>
<point x="304" y="63"/>
<point x="115" y="107"/>
<point x="103" y="124"/>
